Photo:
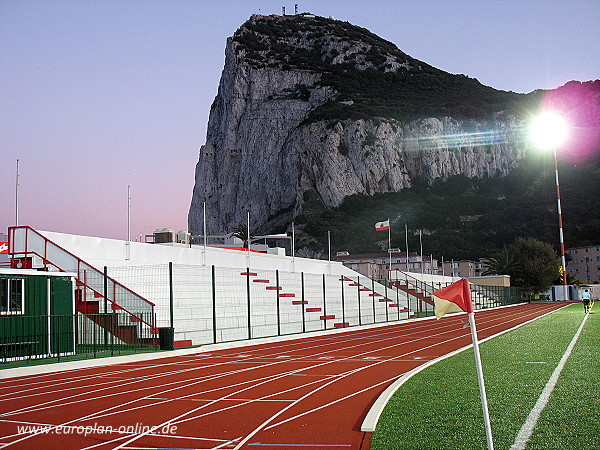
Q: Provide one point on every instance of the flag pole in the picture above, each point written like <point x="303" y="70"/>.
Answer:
<point x="17" y="197"/>
<point x="486" y="415"/>
<point x="329" y="250"/>
<point x="204" y="229"/>
<point x="390" y="250"/>
<point x="293" y="248"/>
<point x="421" y="243"/>
<point x="406" y="233"/>
<point x="248" y="237"/>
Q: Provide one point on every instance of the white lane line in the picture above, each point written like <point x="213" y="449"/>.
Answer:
<point x="527" y="429"/>
<point x="226" y="399"/>
<point x="370" y="421"/>
<point x="267" y="424"/>
<point x="179" y="419"/>
<point x="46" y="373"/>
<point x="269" y="379"/>
<point x="414" y="331"/>
<point x="319" y="342"/>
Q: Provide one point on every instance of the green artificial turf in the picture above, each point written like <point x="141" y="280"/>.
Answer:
<point x="440" y="408"/>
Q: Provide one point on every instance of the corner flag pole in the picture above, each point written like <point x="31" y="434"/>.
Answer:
<point x="486" y="414"/>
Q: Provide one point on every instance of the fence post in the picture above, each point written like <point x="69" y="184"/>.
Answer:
<point x="278" y="309"/>
<point x="58" y="338"/>
<point x="372" y="292"/>
<point x="387" y="317"/>
<point x="112" y="322"/>
<point x="324" y="305"/>
<point x="93" y="341"/>
<point x="105" y="293"/>
<point x="343" y="303"/>
<point x="358" y="292"/>
<point x="397" y="300"/>
<point x="171" y="298"/>
<point x="140" y="331"/>
<point x="424" y="294"/>
<point x="214" y="304"/>
<point x="248" y="300"/>
<point x="303" y="308"/>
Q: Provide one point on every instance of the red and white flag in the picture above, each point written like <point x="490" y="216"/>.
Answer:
<point x="456" y="298"/>
<point x="380" y="226"/>
<point x="453" y="298"/>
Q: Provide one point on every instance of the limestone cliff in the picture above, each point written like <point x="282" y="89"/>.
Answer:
<point x="307" y="103"/>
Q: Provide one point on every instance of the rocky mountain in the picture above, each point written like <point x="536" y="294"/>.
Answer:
<point x="308" y="105"/>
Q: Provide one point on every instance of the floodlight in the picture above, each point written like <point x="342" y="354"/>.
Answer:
<point x="548" y="130"/>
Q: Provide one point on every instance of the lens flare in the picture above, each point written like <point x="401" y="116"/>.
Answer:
<point x="463" y="140"/>
<point x="548" y="130"/>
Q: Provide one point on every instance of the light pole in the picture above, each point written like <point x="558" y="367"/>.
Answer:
<point x="548" y="131"/>
<point x="17" y="197"/>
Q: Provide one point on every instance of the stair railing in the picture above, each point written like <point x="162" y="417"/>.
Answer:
<point x="31" y="249"/>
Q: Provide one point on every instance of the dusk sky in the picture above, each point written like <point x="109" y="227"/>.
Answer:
<point x="96" y="95"/>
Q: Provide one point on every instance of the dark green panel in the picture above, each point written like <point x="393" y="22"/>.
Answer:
<point x="61" y="295"/>
<point x="61" y="310"/>
<point x="36" y="293"/>
<point x="27" y="333"/>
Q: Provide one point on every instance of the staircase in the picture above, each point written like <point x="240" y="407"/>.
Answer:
<point x="415" y="291"/>
<point x="363" y="288"/>
<point x="423" y="292"/>
<point x="105" y="301"/>
<point x="292" y="295"/>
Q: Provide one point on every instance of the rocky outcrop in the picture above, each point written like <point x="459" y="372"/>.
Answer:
<point x="264" y="148"/>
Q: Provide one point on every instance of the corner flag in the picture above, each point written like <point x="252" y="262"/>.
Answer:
<point x="456" y="298"/>
<point x="453" y="298"/>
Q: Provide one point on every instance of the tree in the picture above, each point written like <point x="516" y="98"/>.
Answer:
<point x="503" y="263"/>
<point x="537" y="265"/>
<point x="241" y="232"/>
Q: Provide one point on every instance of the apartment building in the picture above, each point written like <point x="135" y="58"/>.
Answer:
<point x="584" y="265"/>
<point x="376" y="265"/>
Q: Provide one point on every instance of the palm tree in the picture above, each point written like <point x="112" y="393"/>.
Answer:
<point x="241" y="232"/>
<point x="503" y="263"/>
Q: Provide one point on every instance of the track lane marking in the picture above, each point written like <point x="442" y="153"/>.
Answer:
<point x="415" y="330"/>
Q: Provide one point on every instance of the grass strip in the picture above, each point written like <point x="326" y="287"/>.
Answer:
<point x="440" y="407"/>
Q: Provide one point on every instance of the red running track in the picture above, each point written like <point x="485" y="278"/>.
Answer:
<point x="311" y="392"/>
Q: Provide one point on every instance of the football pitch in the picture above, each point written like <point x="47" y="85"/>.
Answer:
<point x="440" y="407"/>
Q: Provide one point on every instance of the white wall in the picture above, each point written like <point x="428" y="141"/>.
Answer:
<point x="100" y="252"/>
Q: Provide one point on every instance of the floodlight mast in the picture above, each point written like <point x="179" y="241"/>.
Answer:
<point x="560" y="228"/>
<point x="549" y="131"/>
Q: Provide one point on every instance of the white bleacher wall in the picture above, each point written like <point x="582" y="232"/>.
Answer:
<point x="144" y="269"/>
<point x="100" y="252"/>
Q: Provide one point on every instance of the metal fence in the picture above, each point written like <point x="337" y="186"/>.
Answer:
<point x="207" y="304"/>
<point x="63" y="336"/>
<point x="198" y="305"/>
<point x="421" y="292"/>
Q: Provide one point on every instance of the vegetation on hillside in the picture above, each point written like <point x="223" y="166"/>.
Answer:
<point x="379" y="79"/>
<point x="462" y="218"/>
